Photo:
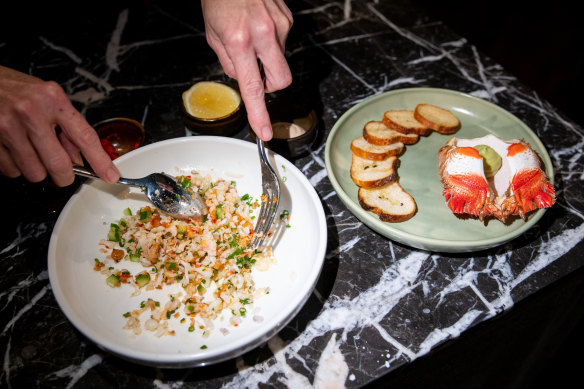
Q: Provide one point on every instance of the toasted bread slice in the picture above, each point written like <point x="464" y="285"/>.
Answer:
<point x="372" y="174"/>
<point x="391" y="203"/>
<point x="436" y="118"/>
<point x="403" y="120"/>
<point x="377" y="133"/>
<point x="364" y="149"/>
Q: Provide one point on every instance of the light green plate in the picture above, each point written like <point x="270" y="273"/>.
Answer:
<point x="434" y="227"/>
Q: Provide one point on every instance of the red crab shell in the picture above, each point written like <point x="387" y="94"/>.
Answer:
<point x="518" y="187"/>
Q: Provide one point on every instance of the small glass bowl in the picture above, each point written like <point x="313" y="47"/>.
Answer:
<point x="120" y="135"/>
<point x="222" y="126"/>
<point x="295" y="128"/>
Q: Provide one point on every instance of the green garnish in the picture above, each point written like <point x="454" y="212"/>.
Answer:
<point x="114" y="233"/>
<point x="235" y="252"/>
<point x="245" y="261"/>
<point x="113" y="281"/>
<point x="247" y="199"/>
<point x="219" y="213"/>
<point x="145" y="215"/>
<point x="181" y="230"/>
<point x="142" y="279"/>
<point x="184" y="182"/>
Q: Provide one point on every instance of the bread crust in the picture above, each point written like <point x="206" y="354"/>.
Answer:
<point x="404" y="121"/>
<point x="377" y="133"/>
<point x="364" y="149"/>
<point x="387" y="212"/>
<point x="438" y="119"/>
<point x="386" y="171"/>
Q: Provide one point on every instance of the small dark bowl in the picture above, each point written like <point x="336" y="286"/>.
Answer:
<point x="120" y="135"/>
<point x="223" y="126"/>
<point x="285" y="112"/>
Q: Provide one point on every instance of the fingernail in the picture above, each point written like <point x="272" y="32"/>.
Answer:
<point x="78" y="160"/>
<point x="112" y="174"/>
<point x="266" y="133"/>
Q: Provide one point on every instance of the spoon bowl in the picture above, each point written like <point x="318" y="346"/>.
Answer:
<point x="163" y="191"/>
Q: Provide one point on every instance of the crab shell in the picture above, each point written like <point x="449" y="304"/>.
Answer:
<point x="518" y="187"/>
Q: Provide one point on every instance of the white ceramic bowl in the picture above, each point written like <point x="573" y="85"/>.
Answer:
<point x="96" y="309"/>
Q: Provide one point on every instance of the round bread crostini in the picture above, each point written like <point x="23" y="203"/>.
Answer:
<point x="439" y="119"/>
<point x="377" y="133"/>
<point x="391" y="202"/>
<point x="368" y="173"/>
<point x="375" y="157"/>
<point x="364" y="149"/>
<point x="404" y="121"/>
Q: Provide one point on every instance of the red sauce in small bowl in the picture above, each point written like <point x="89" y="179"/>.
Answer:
<point x="119" y="136"/>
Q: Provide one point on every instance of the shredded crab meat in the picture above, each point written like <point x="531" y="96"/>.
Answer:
<point x="208" y="258"/>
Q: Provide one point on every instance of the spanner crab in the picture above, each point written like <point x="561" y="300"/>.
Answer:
<point x="518" y="186"/>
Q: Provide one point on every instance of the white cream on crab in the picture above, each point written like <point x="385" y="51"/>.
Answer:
<point x="499" y="183"/>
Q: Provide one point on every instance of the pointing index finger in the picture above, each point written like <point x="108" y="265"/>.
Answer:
<point x="82" y="135"/>
<point x="251" y="85"/>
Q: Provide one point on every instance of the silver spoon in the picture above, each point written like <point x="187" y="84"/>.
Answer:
<point x="163" y="191"/>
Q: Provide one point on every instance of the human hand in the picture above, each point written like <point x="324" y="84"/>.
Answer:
<point x="41" y="132"/>
<point x="241" y="32"/>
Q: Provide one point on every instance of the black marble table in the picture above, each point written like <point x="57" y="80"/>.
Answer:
<point x="379" y="306"/>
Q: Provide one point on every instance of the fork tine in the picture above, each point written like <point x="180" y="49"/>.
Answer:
<point x="271" y="193"/>
<point x="265" y="222"/>
<point x="268" y="224"/>
<point x="268" y="217"/>
<point x="260" y="225"/>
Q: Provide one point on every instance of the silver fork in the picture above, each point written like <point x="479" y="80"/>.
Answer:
<point x="270" y="188"/>
<point x="271" y="192"/>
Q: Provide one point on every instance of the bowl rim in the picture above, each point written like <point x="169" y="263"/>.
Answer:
<point x="134" y="122"/>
